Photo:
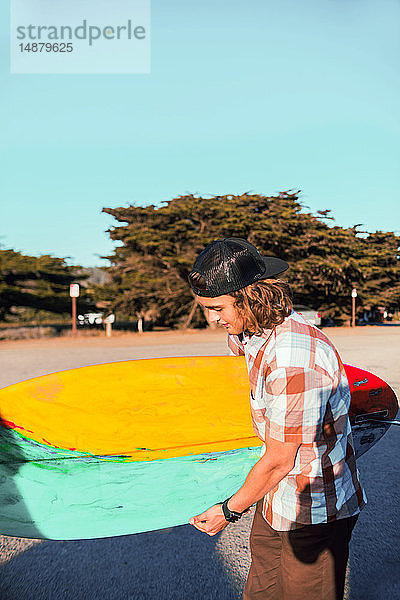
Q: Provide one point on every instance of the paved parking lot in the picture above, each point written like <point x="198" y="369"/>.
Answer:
<point x="180" y="563"/>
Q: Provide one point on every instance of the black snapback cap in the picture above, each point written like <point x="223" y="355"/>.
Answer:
<point x="230" y="264"/>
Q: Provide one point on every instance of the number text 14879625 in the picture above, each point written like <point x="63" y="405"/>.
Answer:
<point x="46" y="47"/>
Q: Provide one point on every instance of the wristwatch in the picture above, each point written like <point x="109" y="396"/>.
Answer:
<point x="230" y="515"/>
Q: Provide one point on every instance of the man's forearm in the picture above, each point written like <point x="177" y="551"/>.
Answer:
<point x="259" y="481"/>
<point x="276" y="463"/>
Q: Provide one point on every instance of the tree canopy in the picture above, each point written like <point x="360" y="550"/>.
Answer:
<point x="36" y="284"/>
<point x="158" y="246"/>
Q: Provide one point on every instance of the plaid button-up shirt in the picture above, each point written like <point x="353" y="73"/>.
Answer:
<point x="300" y="393"/>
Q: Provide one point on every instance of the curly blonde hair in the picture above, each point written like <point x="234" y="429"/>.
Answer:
<point x="264" y="304"/>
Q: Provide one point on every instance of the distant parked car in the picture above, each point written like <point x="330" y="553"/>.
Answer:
<point x="327" y="322"/>
<point x="90" y="319"/>
<point x="309" y="314"/>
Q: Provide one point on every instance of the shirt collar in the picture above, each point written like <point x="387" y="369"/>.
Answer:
<point x="253" y="342"/>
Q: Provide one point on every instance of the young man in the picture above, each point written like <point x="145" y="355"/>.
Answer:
<point x="306" y="482"/>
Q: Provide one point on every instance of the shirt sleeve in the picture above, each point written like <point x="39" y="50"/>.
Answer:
<point x="295" y="404"/>
<point x="235" y="346"/>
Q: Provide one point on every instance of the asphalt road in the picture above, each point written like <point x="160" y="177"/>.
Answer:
<point x="181" y="563"/>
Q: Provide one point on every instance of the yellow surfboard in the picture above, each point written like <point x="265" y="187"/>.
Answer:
<point x="144" y="409"/>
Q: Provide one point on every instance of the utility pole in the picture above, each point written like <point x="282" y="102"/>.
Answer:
<point x="353" y="307"/>
<point x="74" y="293"/>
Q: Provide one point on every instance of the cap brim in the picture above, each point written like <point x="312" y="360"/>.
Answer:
<point x="273" y="266"/>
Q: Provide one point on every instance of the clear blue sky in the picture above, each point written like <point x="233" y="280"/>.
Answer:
<point x="262" y="96"/>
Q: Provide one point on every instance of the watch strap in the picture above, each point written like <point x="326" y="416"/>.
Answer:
<point x="230" y="515"/>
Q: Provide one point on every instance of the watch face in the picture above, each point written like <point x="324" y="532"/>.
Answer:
<point x="230" y="515"/>
<point x="226" y="511"/>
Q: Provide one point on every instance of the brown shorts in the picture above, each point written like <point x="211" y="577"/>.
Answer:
<point x="308" y="563"/>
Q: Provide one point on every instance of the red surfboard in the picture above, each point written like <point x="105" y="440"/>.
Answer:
<point x="373" y="408"/>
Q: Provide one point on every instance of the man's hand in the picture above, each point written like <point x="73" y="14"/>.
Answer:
<point x="211" y="521"/>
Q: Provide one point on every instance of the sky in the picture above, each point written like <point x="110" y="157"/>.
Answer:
<point x="262" y="96"/>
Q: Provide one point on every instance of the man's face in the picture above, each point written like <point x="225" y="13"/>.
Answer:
<point x="222" y="310"/>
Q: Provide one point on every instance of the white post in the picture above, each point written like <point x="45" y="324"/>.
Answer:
<point x="140" y="324"/>
<point x="108" y="322"/>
